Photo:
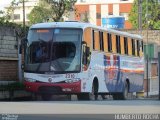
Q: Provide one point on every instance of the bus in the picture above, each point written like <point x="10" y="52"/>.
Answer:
<point x="74" y="58"/>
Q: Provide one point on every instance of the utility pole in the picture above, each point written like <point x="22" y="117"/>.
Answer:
<point x="140" y="15"/>
<point x="20" y="46"/>
<point x="24" y="26"/>
<point x="159" y="72"/>
<point x="147" y="48"/>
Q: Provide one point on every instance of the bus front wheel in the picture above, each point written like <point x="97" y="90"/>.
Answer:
<point x="46" y="97"/>
<point x="89" y="96"/>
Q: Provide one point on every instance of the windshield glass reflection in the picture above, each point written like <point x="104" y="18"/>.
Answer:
<point x="56" y="50"/>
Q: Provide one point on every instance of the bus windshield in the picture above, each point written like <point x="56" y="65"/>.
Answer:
<point x="53" y="50"/>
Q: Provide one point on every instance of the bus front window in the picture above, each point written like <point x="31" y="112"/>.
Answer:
<point x="56" y="50"/>
<point x="66" y="49"/>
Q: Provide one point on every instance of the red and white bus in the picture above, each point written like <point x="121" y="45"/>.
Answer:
<point x="82" y="59"/>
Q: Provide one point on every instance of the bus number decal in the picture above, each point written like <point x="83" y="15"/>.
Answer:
<point x="70" y="76"/>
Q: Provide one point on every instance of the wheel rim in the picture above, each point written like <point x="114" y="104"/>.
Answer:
<point x="126" y="91"/>
<point x="92" y="94"/>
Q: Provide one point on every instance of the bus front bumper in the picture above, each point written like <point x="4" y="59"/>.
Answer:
<point x="53" y="88"/>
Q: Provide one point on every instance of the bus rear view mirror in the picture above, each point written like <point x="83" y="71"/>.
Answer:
<point x="87" y="51"/>
<point x="22" y="66"/>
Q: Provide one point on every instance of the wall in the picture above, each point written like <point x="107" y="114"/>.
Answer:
<point x="8" y="54"/>
<point x="153" y="35"/>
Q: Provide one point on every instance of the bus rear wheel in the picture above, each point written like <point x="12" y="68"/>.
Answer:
<point x="124" y="95"/>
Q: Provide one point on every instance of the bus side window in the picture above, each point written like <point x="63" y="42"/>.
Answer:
<point x="125" y="45"/>
<point x="141" y="48"/>
<point x="118" y="45"/>
<point x="142" y="45"/>
<point x="138" y="48"/>
<point x="114" y="43"/>
<point x="122" y="44"/>
<point x="109" y="36"/>
<point x="129" y="46"/>
<point x="101" y="41"/>
<point x="133" y="47"/>
<point x="93" y="39"/>
<point x="96" y="40"/>
<point x="105" y="41"/>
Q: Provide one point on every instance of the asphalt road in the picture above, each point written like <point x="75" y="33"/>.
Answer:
<point x="81" y="107"/>
<point x="76" y="110"/>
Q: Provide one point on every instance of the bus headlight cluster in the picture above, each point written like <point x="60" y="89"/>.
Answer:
<point x="30" y="80"/>
<point x="72" y="80"/>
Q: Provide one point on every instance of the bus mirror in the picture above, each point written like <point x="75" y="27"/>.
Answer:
<point x="87" y="51"/>
<point x="22" y="66"/>
<point x="84" y="43"/>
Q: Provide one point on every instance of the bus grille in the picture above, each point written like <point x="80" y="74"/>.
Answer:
<point x="48" y="89"/>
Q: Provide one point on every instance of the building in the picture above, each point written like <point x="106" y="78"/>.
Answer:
<point x="17" y="10"/>
<point x="95" y="10"/>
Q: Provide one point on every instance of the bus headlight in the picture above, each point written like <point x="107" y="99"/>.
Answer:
<point x="72" y="80"/>
<point x="30" y="80"/>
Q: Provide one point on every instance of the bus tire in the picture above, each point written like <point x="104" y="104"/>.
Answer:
<point x="82" y="96"/>
<point x="46" y="97"/>
<point x="89" y="96"/>
<point x="115" y="96"/>
<point x="125" y="93"/>
<point x="94" y="93"/>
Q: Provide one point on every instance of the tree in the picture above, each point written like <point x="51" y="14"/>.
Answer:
<point x="60" y="8"/>
<point x="51" y="9"/>
<point x="38" y="14"/>
<point x="153" y="14"/>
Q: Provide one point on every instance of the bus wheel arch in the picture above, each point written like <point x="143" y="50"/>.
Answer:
<point x="95" y="87"/>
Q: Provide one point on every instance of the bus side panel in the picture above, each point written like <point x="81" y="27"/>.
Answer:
<point x="120" y="68"/>
<point x="132" y="68"/>
<point x="112" y="72"/>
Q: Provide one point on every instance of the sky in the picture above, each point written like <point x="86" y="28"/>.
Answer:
<point x="4" y="3"/>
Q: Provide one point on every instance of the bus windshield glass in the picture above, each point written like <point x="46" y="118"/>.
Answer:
<point x="53" y="50"/>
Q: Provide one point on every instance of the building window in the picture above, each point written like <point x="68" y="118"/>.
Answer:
<point x="125" y="15"/>
<point x="16" y="16"/>
<point x="98" y="15"/>
<point x="110" y="13"/>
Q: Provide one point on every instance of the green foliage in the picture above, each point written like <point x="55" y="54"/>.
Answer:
<point x="51" y="9"/>
<point x="12" y="86"/>
<point x="38" y="14"/>
<point x="60" y="7"/>
<point x="18" y="27"/>
<point x="153" y="14"/>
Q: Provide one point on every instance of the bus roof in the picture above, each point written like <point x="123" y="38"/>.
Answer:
<point x="83" y="26"/>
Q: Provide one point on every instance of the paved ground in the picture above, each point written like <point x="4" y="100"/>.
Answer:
<point x="81" y="107"/>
